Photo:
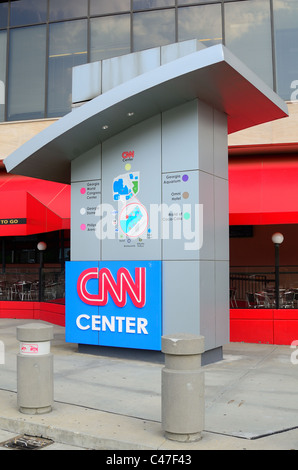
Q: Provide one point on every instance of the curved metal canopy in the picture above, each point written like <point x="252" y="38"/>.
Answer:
<point x="213" y="75"/>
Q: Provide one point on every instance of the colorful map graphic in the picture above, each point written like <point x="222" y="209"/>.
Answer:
<point x="126" y="186"/>
<point x="133" y="219"/>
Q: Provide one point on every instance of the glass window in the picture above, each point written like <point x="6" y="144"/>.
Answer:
<point x="286" y="47"/>
<point x="67" y="9"/>
<point x="3" y="14"/>
<point x="186" y="2"/>
<point x="26" y="90"/>
<point x="2" y="73"/>
<point x="28" y="12"/>
<point x="110" y="37"/>
<point x="201" y="22"/>
<point x="68" y="48"/>
<point x="248" y="35"/>
<point x="152" y="29"/>
<point x="151" y="4"/>
<point x="98" y="7"/>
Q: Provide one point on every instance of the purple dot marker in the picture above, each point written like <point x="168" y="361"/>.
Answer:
<point x="185" y="178"/>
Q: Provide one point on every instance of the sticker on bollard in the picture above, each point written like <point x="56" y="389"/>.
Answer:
<point x="36" y="349"/>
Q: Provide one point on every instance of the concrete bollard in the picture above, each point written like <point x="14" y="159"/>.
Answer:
<point x="183" y="388"/>
<point x="35" y="388"/>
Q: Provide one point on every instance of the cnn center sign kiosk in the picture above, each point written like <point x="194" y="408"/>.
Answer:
<point x="145" y="150"/>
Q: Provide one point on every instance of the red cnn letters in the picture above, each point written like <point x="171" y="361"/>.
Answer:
<point x="117" y="290"/>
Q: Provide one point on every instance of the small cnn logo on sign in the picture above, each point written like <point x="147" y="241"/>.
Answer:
<point x="128" y="155"/>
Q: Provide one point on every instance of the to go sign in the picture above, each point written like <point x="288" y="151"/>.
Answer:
<point x="12" y="221"/>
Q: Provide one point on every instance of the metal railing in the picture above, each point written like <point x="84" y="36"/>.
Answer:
<point x="32" y="285"/>
<point x="257" y="289"/>
<point x="241" y="283"/>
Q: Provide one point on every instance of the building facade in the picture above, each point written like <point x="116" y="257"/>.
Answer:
<point x="42" y="40"/>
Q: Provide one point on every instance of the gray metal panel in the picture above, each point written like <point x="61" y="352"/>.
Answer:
<point x="222" y="324"/>
<point x="221" y="218"/>
<point x="118" y="70"/>
<point x="144" y="140"/>
<point x="207" y="289"/>
<point x="179" y="49"/>
<point x="86" y="82"/>
<point x="206" y="197"/>
<point x="206" y="137"/>
<point x="213" y="75"/>
<point x="87" y="166"/>
<point x="181" y="297"/>
<point x="85" y="199"/>
<point x="189" y="299"/>
<point x="180" y="194"/>
<point x="221" y="161"/>
<point x="90" y="80"/>
<point x="180" y="138"/>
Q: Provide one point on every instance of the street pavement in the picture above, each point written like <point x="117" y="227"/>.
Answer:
<point x="114" y="403"/>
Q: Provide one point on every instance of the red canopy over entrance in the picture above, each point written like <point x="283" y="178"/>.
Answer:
<point x="29" y="205"/>
<point x="263" y="189"/>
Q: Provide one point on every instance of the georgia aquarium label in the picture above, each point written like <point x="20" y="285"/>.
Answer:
<point x="114" y="303"/>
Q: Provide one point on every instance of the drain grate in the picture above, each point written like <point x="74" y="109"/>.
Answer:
<point x="25" y="442"/>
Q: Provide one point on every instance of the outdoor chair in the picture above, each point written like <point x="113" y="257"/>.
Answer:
<point x="295" y="298"/>
<point x="233" y="301"/>
<point x="24" y="290"/>
<point x="250" y="300"/>
<point x="4" y="292"/>
<point x="35" y="290"/>
<point x="270" y="298"/>
<point x="288" y="299"/>
<point x="261" y="300"/>
<point x="13" y="292"/>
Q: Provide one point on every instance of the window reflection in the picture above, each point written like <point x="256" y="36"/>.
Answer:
<point x="25" y="12"/>
<point x="248" y="35"/>
<point x="68" y="48"/>
<point x="26" y="89"/>
<point x="67" y="9"/>
<point x="98" y="7"/>
<point x="201" y="22"/>
<point x="110" y="37"/>
<point x="186" y="2"/>
<point x="150" y="4"/>
<point x="2" y="73"/>
<point x="152" y="29"/>
<point x="286" y="46"/>
<point x="3" y="14"/>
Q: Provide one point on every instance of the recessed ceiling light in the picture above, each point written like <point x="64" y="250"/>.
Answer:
<point x="105" y="127"/>
<point x="130" y="114"/>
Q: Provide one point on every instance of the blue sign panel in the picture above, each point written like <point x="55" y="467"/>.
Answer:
<point x="114" y="303"/>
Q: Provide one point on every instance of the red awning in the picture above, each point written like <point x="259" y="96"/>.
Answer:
<point x="29" y="205"/>
<point x="263" y="189"/>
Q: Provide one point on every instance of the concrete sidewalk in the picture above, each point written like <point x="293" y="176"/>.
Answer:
<point x="114" y="403"/>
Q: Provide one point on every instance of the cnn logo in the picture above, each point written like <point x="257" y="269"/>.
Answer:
<point x="117" y="289"/>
